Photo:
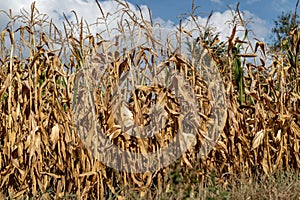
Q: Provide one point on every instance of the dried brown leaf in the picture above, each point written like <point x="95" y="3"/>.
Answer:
<point x="258" y="139"/>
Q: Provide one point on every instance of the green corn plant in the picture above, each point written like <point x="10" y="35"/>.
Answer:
<point x="238" y="73"/>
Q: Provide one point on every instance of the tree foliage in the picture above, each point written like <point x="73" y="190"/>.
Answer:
<point x="284" y="24"/>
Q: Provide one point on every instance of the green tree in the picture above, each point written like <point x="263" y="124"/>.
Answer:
<point x="287" y="42"/>
<point x="284" y="24"/>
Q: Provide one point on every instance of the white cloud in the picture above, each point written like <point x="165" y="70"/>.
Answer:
<point x="220" y="22"/>
<point x="89" y="10"/>
<point x="251" y="1"/>
<point x="216" y="1"/>
<point x="259" y="26"/>
<point x="283" y="5"/>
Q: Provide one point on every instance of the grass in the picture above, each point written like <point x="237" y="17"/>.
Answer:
<point x="281" y="185"/>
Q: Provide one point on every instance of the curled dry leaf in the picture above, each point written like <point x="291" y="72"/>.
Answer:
<point x="258" y="139"/>
<point x="54" y="136"/>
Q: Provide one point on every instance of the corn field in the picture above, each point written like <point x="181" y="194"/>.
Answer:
<point x="57" y="90"/>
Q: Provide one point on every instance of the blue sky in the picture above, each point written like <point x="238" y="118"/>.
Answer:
<point x="171" y="9"/>
<point x="167" y="12"/>
<point x="267" y="10"/>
